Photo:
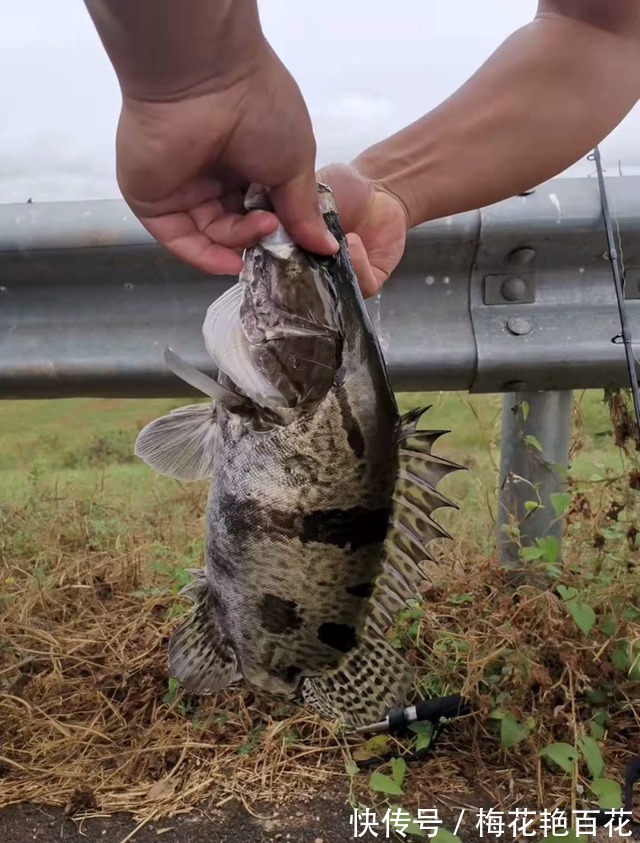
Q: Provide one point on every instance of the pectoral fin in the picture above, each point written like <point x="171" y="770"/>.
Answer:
<point x="226" y="342"/>
<point x="189" y="374"/>
<point x="180" y="445"/>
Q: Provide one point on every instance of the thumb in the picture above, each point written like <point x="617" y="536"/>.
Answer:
<point x="370" y="278"/>
<point x="296" y="205"/>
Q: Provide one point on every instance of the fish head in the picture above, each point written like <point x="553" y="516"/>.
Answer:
<point x="278" y="334"/>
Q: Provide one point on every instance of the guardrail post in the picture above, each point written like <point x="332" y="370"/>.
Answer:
<point x="536" y="433"/>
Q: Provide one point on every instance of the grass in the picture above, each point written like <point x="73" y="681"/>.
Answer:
<point x="93" y="549"/>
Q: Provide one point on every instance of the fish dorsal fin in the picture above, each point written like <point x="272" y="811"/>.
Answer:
<point x="417" y="492"/>
<point x="424" y="465"/>
<point x="201" y="657"/>
<point x="415" y="498"/>
<point x="374" y="677"/>
<point x="409" y="421"/>
<point x="181" y="444"/>
<point x="189" y="374"/>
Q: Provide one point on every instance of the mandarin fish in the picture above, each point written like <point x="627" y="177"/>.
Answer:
<point x="321" y="493"/>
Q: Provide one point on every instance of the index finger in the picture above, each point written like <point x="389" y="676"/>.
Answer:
<point x="179" y="234"/>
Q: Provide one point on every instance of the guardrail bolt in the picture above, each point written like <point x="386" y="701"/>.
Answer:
<point x="521" y="256"/>
<point x="518" y="326"/>
<point x="513" y="289"/>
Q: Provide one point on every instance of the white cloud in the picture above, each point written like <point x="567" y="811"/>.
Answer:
<point x="365" y="68"/>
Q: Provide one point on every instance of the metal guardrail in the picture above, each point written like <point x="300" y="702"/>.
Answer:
<point x="518" y="295"/>
<point x="515" y="298"/>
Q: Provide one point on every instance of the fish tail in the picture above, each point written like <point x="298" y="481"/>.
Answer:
<point x="375" y="677"/>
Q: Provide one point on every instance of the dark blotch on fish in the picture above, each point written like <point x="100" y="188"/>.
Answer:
<point x="279" y="616"/>
<point x="340" y="636"/>
<point x="356" y="527"/>
<point x="290" y="674"/>
<point x="363" y="590"/>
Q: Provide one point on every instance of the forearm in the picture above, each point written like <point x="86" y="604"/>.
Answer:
<point x="164" y="48"/>
<point x="550" y="93"/>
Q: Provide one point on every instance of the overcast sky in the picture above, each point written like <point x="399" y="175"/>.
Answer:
<point x="366" y="68"/>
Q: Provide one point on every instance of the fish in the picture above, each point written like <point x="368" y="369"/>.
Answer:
<point x="321" y="493"/>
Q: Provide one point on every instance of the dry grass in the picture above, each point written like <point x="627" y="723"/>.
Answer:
<point x="90" y="721"/>
<point x="88" y="716"/>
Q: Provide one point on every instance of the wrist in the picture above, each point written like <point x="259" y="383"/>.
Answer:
<point x="389" y="172"/>
<point x="205" y="78"/>
<point x="165" y="51"/>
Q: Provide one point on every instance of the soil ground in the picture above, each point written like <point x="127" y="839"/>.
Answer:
<point x="324" y="819"/>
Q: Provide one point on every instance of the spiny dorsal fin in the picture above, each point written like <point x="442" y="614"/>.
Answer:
<point x="201" y="657"/>
<point x="412" y="526"/>
<point x="418" y="489"/>
<point x="415" y="498"/>
<point x="433" y="469"/>
<point x="409" y="421"/>
<point x="413" y="520"/>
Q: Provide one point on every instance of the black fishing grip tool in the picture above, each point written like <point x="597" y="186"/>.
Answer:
<point x="631" y="777"/>
<point x="602" y="817"/>
<point x="399" y="719"/>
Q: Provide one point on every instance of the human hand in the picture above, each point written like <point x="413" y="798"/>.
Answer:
<point x="374" y="221"/>
<point x="184" y="165"/>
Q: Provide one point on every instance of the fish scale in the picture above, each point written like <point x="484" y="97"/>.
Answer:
<point x="320" y="497"/>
